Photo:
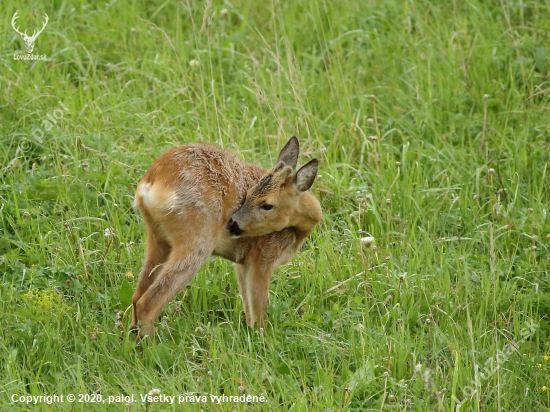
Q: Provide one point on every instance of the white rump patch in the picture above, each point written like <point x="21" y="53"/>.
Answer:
<point x="152" y="198"/>
<point x="147" y="194"/>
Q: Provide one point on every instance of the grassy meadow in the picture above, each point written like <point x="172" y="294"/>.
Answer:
<point x="431" y="123"/>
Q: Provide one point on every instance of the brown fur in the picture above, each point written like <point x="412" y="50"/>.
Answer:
<point x="188" y="196"/>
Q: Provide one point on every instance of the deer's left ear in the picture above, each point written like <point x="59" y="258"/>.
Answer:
<point x="289" y="153"/>
<point x="306" y="176"/>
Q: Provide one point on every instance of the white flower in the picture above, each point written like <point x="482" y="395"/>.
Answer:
<point x="367" y="241"/>
<point x="109" y="232"/>
<point x="154" y="392"/>
<point x="194" y="63"/>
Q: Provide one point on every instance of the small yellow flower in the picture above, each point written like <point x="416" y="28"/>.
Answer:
<point x="48" y="299"/>
<point x="546" y="358"/>
<point x="544" y="388"/>
<point x="129" y="275"/>
<point x="539" y="365"/>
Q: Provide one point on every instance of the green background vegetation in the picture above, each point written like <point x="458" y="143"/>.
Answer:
<point x="393" y="97"/>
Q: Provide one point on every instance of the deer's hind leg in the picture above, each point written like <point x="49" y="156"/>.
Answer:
<point x="181" y="268"/>
<point x="157" y="251"/>
<point x="193" y="241"/>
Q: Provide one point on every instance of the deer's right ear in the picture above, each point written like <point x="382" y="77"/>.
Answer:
<point x="289" y="154"/>
<point x="306" y="175"/>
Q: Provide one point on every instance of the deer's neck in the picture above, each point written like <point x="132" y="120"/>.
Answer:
<point x="307" y="215"/>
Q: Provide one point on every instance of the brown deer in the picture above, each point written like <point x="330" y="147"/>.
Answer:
<point x="199" y="201"/>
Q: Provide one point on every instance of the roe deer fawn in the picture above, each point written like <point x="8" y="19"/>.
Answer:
<point x="199" y="200"/>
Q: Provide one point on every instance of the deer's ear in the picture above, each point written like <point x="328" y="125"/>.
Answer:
<point x="306" y="176"/>
<point x="289" y="154"/>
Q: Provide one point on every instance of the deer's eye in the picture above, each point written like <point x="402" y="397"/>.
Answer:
<point x="265" y="206"/>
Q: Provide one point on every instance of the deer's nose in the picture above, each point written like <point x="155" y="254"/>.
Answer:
<point x="234" y="229"/>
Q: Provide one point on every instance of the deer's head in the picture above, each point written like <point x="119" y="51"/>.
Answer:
<point x="274" y="202"/>
<point x="29" y="40"/>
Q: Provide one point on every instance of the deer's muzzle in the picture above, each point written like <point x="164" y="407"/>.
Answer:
<point x="234" y="229"/>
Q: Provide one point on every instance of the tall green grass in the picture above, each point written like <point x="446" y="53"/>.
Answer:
<point x="431" y="123"/>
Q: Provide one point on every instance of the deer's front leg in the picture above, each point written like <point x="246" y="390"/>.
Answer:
<point x="258" y="294"/>
<point x="243" y="274"/>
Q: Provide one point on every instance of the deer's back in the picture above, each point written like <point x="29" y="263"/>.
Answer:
<point x="197" y="176"/>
